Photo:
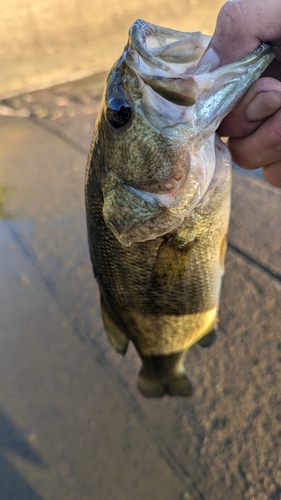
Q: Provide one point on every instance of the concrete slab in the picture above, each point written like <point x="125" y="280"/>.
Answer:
<point x="53" y="41"/>
<point x="255" y="218"/>
<point x="69" y="110"/>
<point x="74" y="401"/>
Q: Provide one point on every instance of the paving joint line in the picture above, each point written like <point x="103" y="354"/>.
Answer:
<point x="59" y="134"/>
<point x="259" y="265"/>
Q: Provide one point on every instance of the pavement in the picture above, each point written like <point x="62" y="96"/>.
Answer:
<point x="72" y="423"/>
<point x="43" y="42"/>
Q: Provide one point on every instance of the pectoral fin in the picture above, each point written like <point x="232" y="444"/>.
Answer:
<point x="208" y="339"/>
<point x="116" y="337"/>
<point x="171" y="263"/>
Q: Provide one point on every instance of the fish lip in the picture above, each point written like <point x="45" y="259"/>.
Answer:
<point x="141" y="30"/>
<point x="157" y="70"/>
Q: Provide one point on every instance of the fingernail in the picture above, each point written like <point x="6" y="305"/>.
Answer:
<point x="210" y="57"/>
<point x="263" y="105"/>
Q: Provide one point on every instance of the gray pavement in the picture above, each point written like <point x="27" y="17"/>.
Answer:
<point x="72" y="424"/>
<point x="43" y="42"/>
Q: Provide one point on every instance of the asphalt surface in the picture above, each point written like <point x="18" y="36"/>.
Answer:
<point x="72" y="423"/>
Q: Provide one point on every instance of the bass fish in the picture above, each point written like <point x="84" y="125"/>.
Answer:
<point x="158" y="196"/>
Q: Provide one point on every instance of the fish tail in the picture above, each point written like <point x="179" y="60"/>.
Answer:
<point x="208" y="339"/>
<point x="164" y="374"/>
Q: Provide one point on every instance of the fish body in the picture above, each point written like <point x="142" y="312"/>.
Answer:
<point x="158" y="198"/>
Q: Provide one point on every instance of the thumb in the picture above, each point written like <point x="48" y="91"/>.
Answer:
<point x="237" y="32"/>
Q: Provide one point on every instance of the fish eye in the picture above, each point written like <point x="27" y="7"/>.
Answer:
<point x="118" y="112"/>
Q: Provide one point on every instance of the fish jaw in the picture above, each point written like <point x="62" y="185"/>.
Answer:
<point x="230" y="83"/>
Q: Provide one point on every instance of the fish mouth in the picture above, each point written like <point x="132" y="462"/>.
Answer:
<point x="166" y="50"/>
<point x="166" y="61"/>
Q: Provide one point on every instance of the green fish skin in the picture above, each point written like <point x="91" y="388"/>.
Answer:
<point x="158" y="187"/>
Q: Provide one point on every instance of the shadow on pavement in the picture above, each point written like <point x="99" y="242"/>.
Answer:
<point x="12" y="485"/>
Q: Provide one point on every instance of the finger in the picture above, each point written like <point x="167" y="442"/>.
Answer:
<point x="260" y="148"/>
<point x="272" y="174"/>
<point x="263" y="106"/>
<point x="242" y="25"/>
<point x="274" y="69"/>
<point x="232" y="40"/>
<point x="262" y="100"/>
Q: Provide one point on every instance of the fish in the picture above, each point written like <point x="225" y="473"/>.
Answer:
<point x="158" y="183"/>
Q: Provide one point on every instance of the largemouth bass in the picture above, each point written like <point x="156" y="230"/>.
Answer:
<point x="158" y="196"/>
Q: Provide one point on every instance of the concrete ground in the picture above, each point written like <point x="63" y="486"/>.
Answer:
<point x="43" y="42"/>
<point x="72" y="423"/>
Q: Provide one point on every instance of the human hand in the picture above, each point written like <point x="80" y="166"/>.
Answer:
<point x="254" y="126"/>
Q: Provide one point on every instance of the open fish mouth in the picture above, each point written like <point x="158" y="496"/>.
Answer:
<point x="164" y="58"/>
<point x="167" y="61"/>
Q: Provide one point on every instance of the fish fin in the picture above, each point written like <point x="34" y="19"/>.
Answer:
<point x="171" y="262"/>
<point x="208" y="339"/>
<point x="115" y="336"/>
<point x="178" y="386"/>
<point x="162" y="375"/>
